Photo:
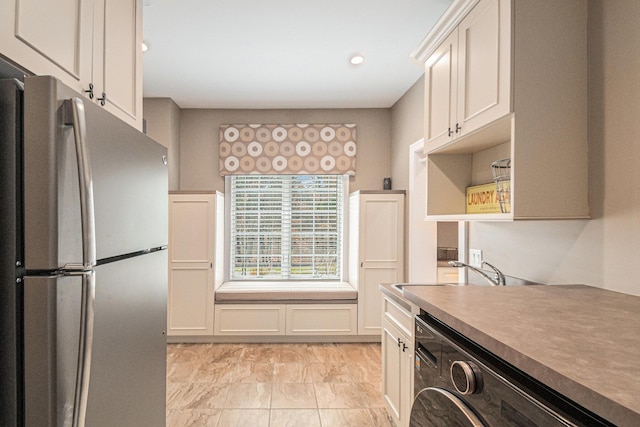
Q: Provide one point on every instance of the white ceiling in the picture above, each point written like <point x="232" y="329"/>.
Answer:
<point x="284" y="53"/>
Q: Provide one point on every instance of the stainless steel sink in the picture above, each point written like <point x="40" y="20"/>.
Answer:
<point x="400" y="286"/>
<point x="510" y="281"/>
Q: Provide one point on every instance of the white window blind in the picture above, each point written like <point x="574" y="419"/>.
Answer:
<point x="286" y="227"/>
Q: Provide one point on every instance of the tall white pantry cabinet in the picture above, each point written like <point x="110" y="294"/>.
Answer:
<point x="376" y="255"/>
<point x="196" y="235"/>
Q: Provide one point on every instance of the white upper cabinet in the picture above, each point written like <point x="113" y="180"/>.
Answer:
<point x="468" y="75"/>
<point x="507" y="79"/>
<point x="84" y="43"/>
<point x="117" y="59"/>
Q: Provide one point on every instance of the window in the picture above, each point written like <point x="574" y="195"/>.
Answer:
<point x="286" y="227"/>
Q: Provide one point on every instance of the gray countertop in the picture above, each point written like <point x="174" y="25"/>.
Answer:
<point x="582" y="341"/>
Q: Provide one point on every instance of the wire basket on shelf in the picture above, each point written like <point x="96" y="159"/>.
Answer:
<point x="501" y="170"/>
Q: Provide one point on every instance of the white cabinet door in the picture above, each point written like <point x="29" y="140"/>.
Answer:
<point x="250" y="319"/>
<point x="117" y="59"/>
<point x="397" y="371"/>
<point x="397" y="361"/>
<point x="484" y="90"/>
<point x="391" y="371"/>
<point x="441" y="79"/>
<point x="380" y="240"/>
<point x="321" y="319"/>
<point x="191" y="257"/>
<point x="50" y="37"/>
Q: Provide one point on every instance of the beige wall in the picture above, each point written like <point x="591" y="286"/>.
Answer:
<point x="162" y="117"/>
<point x="199" y="142"/>
<point x="407" y="127"/>
<point x="601" y="252"/>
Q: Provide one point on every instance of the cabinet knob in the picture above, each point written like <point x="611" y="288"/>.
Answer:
<point x="399" y="342"/>
<point x="458" y="128"/>
<point x="103" y="100"/>
<point x="450" y="132"/>
<point x="90" y="91"/>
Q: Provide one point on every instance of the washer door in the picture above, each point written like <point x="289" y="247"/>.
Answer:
<point x="437" y="407"/>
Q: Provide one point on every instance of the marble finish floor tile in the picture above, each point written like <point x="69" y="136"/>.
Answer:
<point x="338" y="395"/>
<point x="293" y="372"/>
<point x="250" y="396"/>
<point x="294" y="418"/>
<point x="356" y="417"/>
<point x="293" y="395"/>
<point x="244" y="418"/>
<point x="193" y="417"/>
<point x="273" y="385"/>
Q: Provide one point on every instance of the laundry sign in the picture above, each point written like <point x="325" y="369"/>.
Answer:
<point x="482" y="199"/>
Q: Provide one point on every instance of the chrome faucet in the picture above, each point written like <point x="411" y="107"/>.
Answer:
<point x="497" y="280"/>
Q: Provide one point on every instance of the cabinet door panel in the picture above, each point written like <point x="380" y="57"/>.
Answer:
<point x="189" y="220"/>
<point x="321" y="319"/>
<point x="441" y="80"/>
<point x="52" y="37"/>
<point x="118" y="57"/>
<point x="380" y="230"/>
<point x="52" y="31"/>
<point x="252" y="319"/>
<point x="369" y="297"/>
<point x="483" y="89"/>
<point x="392" y="371"/>
<point x="190" y="310"/>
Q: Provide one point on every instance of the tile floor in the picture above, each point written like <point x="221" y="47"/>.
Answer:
<point x="302" y="385"/>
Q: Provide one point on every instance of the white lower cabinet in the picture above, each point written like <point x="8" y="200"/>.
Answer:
<point x="195" y="237"/>
<point x="286" y="319"/>
<point x="322" y="319"/>
<point x="397" y="361"/>
<point x="249" y="319"/>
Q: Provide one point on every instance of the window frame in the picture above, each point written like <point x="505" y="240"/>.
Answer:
<point x="344" y="273"/>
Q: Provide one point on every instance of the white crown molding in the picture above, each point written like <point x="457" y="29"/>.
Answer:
<point x="441" y="30"/>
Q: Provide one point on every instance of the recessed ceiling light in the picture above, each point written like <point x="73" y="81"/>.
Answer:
<point x="144" y="47"/>
<point x="357" y="59"/>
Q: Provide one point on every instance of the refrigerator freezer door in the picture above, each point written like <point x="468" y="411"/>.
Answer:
<point x="51" y="337"/>
<point x="130" y="183"/>
<point x="128" y="371"/>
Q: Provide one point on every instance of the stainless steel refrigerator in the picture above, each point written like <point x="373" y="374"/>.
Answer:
<point x="83" y="217"/>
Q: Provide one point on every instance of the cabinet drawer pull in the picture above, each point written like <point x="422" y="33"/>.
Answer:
<point x="103" y="100"/>
<point x="90" y="91"/>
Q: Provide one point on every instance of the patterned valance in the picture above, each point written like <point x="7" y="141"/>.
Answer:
<point x="296" y="149"/>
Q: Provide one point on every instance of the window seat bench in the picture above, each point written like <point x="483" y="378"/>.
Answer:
<point x="300" y="292"/>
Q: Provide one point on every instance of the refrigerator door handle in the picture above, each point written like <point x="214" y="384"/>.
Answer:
<point x="86" y="346"/>
<point x="74" y="115"/>
<point x="83" y="369"/>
